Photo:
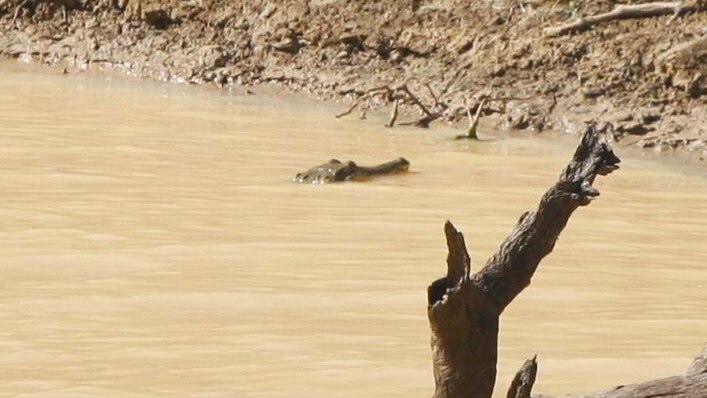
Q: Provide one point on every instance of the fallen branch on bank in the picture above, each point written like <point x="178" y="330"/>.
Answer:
<point x="17" y="12"/>
<point x="628" y="12"/>
<point x="691" y="385"/>
<point x="398" y="95"/>
<point x="385" y="92"/>
<point x="402" y="95"/>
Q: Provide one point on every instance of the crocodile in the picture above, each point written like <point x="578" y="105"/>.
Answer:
<point x="336" y="171"/>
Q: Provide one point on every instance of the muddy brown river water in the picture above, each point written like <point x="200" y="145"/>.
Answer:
<point x="152" y="245"/>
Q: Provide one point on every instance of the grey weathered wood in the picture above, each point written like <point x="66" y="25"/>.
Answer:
<point x="464" y="310"/>
<point x="627" y="11"/>
<point x="692" y="385"/>
<point x="699" y="365"/>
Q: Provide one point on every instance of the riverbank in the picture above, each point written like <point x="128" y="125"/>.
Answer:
<point x="161" y="250"/>
<point x="646" y="76"/>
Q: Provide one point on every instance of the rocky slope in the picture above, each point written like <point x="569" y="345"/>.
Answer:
<point x="647" y="76"/>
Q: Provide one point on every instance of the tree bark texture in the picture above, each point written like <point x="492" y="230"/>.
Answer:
<point x="464" y="309"/>
<point x="523" y="381"/>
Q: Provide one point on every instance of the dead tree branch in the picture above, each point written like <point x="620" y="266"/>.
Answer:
<point x="692" y="385"/>
<point x="628" y="12"/>
<point x="368" y="95"/>
<point x="17" y="12"/>
<point x="699" y="365"/>
<point x="464" y="310"/>
<point x="474" y="122"/>
<point x="432" y="94"/>
<point x="404" y="88"/>
<point x="398" y="95"/>
<point x="401" y="95"/>
<point x="524" y="379"/>
<point x="393" y="113"/>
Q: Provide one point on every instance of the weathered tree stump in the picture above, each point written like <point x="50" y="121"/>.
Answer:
<point x="464" y="308"/>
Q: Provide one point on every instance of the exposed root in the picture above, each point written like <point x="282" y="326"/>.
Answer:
<point x="398" y="95"/>
<point x="403" y="95"/>
<point x="366" y="97"/>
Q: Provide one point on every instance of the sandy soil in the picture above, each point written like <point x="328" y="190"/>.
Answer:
<point x="646" y="76"/>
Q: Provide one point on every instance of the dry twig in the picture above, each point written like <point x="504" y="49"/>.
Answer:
<point x="398" y="95"/>
<point x="402" y="94"/>
<point x="17" y="11"/>
<point x="473" y="121"/>
<point x="393" y="113"/>
<point x="368" y="95"/>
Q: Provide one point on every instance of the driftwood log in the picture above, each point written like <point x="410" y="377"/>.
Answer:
<point x="691" y="385"/>
<point x="626" y="12"/>
<point x="464" y="308"/>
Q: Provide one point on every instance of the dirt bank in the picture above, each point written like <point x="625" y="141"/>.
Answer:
<point x="648" y="76"/>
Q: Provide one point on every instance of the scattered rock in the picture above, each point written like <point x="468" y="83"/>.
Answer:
<point x="157" y="18"/>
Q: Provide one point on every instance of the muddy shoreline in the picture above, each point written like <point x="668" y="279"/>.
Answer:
<point x="646" y="76"/>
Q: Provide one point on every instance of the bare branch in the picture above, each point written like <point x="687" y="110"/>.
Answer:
<point x="626" y="12"/>
<point x="524" y="379"/>
<point x="393" y="113"/>
<point x="404" y="88"/>
<point x="458" y="261"/>
<point x="474" y="123"/>
<point x="363" y="97"/>
<point x="432" y="94"/>
<point x="464" y="310"/>
<point x="17" y="12"/>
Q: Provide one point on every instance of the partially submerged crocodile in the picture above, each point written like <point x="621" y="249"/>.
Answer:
<point x="335" y="171"/>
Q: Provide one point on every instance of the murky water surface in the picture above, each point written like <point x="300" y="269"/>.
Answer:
<point x="152" y="245"/>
